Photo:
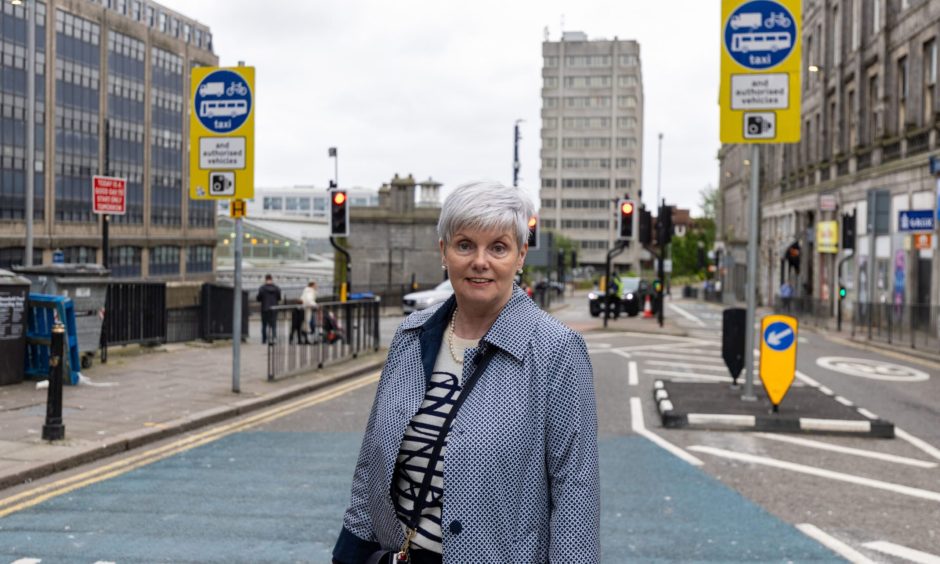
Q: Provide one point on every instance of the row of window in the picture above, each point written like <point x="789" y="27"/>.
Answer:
<point x="628" y="101"/>
<point x="589" y="142"/>
<point x="591" y="183"/>
<point x="599" y="81"/>
<point x="627" y="122"/>
<point x="592" y="61"/>
<point x="573" y="203"/>
<point x="625" y="163"/>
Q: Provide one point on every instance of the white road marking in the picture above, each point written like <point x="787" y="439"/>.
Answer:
<point x="844" y="401"/>
<point x="806" y="379"/>
<point x="636" y="335"/>
<point x="826" y="390"/>
<point x="663" y="346"/>
<point x="688" y="365"/>
<point x="847" y="450"/>
<point x="722" y="419"/>
<point x="619" y="352"/>
<point x="27" y="561"/>
<point x="819" y="472"/>
<point x="869" y="414"/>
<point x="639" y="427"/>
<point x="686" y="315"/>
<point x="688" y="375"/>
<point x="922" y="445"/>
<point x="903" y="552"/>
<point x="633" y="376"/>
<point x="833" y="544"/>
<point x="872" y="369"/>
<point x="679" y="354"/>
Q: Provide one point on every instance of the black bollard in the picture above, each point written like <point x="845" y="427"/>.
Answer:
<point x="54" y="430"/>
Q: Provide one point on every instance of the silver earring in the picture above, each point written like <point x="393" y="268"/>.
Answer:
<point x="443" y="267"/>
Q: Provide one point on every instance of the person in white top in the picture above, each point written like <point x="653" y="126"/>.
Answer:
<point x="308" y="298"/>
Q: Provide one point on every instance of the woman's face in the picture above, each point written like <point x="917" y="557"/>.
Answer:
<point x="482" y="265"/>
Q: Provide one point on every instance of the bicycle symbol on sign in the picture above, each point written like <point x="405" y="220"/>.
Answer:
<point x="778" y="19"/>
<point x="236" y="88"/>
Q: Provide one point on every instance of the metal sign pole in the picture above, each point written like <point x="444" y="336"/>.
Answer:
<point x="751" y="289"/>
<point x="237" y="308"/>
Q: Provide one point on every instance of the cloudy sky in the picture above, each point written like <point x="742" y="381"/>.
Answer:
<point x="433" y="88"/>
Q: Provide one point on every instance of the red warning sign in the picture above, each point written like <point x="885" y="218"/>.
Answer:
<point x="109" y="195"/>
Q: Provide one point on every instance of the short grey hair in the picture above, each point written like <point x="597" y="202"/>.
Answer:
<point x="486" y="206"/>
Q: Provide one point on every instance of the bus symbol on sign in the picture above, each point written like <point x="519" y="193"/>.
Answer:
<point x="222" y="101"/>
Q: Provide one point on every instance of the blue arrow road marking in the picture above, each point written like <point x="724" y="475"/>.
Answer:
<point x="779" y="336"/>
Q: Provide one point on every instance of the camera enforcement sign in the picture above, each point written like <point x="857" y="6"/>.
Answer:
<point x="777" y="355"/>
<point x="760" y="71"/>
<point x="222" y="133"/>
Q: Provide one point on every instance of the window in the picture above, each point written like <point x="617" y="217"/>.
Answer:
<point x="150" y="21"/>
<point x="585" y="183"/>
<point x="198" y="37"/>
<point x="551" y="82"/>
<point x="135" y="10"/>
<point x="930" y="80"/>
<point x="627" y="122"/>
<point x="586" y="143"/>
<point x="587" y="101"/>
<point x="273" y="203"/>
<point x="587" y="61"/>
<point x="80" y="255"/>
<point x="585" y="163"/>
<point x="165" y="261"/>
<point x="546" y="203"/>
<point x="549" y="163"/>
<point x="629" y="60"/>
<point x="851" y="110"/>
<point x="626" y="163"/>
<point x="161" y="19"/>
<point x="550" y="102"/>
<point x="902" y="77"/>
<point x="626" y="80"/>
<point x="199" y="259"/>
<point x="586" y="123"/>
<point x="549" y="143"/>
<point x="125" y="262"/>
<point x="836" y="37"/>
<point x="625" y="183"/>
<point x="551" y="62"/>
<point x="626" y="143"/>
<point x="550" y="123"/>
<point x="876" y="16"/>
<point x="587" y="81"/>
<point x="627" y="101"/>
<point x="873" y="102"/>
<point x="854" y="9"/>
<point x="549" y="183"/>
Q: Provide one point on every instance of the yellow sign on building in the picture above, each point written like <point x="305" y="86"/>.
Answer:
<point x="222" y="133"/>
<point x="827" y="237"/>
<point x="777" y="355"/>
<point x="760" y="71"/>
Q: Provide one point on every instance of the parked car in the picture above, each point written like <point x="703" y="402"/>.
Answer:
<point x="632" y="297"/>
<point x="417" y="301"/>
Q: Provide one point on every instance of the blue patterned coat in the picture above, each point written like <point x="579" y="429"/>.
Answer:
<point x="520" y="473"/>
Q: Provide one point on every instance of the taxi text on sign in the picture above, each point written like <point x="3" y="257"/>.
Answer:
<point x="777" y="355"/>
<point x="760" y="71"/>
<point x="222" y="133"/>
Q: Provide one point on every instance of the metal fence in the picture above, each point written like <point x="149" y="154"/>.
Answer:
<point x="135" y="312"/>
<point x="341" y="331"/>
<point x="913" y="325"/>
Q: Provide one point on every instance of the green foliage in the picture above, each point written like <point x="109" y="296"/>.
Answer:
<point x="685" y="250"/>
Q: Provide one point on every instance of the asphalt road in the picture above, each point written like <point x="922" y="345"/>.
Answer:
<point x="273" y="487"/>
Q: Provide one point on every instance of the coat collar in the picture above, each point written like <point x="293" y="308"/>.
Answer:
<point x="509" y="332"/>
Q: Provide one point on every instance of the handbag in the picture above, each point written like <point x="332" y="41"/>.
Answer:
<point x="403" y="556"/>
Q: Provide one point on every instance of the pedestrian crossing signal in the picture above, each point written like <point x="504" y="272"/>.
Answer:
<point x="534" y="232"/>
<point x="339" y="214"/>
<point x="841" y="292"/>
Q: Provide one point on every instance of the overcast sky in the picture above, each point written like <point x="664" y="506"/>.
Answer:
<point x="433" y="88"/>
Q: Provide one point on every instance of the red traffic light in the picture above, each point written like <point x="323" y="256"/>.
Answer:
<point x="626" y="208"/>
<point x="339" y="198"/>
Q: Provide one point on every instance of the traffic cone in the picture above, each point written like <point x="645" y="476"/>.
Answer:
<point x="647" y="308"/>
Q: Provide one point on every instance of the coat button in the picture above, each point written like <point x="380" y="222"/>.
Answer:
<point x="456" y="527"/>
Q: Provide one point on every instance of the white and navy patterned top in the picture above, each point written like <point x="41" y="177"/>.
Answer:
<point x="520" y="476"/>
<point x="414" y="457"/>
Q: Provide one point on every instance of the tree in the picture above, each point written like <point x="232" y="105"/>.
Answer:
<point x="708" y="200"/>
<point x="686" y="254"/>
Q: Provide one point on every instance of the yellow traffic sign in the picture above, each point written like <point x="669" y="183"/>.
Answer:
<point x="222" y="133"/>
<point x="760" y="71"/>
<point x="238" y="208"/>
<point x="777" y="355"/>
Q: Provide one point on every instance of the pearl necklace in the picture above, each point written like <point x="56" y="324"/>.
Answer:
<point x="450" y="339"/>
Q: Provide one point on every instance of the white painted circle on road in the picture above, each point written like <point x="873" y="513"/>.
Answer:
<point x="872" y="369"/>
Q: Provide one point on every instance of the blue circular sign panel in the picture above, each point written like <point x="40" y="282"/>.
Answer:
<point x="222" y="101"/>
<point x="779" y="336"/>
<point x="760" y="34"/>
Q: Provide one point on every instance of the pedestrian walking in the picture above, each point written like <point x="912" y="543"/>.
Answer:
<point x="786" y="295"/>
<point x="520" y="483"/>
<point x="308" y="298"/>
<point x="269" y="295"/>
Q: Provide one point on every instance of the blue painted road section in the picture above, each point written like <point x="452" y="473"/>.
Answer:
<point x="279" y="497"/>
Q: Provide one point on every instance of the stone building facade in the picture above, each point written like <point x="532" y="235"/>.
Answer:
<point x="870" y="121"/>
<point x="112" y="101"/>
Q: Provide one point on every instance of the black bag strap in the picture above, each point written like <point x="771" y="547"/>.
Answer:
<point x="419" y="504"/>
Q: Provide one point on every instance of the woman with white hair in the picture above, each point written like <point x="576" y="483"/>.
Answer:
<point x="481" y="445"/>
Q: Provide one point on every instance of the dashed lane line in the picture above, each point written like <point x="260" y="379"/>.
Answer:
<point x="639" y="427"/>
<point x="904" y="552"/>
<point x="833" y="544"/>
<point x="688" y="375"/>
<point x="918" y="443"/>
<point x="39" y="494"/>
<point x="633" y="376"/>
<point x="819" y="472"/>
<point x="847" y="450"/>
<point x="687" y="315"/>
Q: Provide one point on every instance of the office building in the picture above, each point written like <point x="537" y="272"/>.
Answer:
<point x="110" y="101"/>
<point x="592" y="141"/>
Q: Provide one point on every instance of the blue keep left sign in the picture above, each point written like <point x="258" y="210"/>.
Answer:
<point x="779" y="336"/>
<point x="760" y="34"/>
<point x="222" y="101"/>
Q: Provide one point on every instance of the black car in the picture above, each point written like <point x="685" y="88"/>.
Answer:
<point x="633" y="293"/>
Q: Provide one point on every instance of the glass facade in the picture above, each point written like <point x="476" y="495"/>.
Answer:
<point x="166" y="137"/>
<point x="199" y="259"/>
<point x="124" y="144"/>
<point x="125" y="262"/>
<point x="165" y="261"/>
<point x="78" y="80"/>
<point x="13" y="112"/>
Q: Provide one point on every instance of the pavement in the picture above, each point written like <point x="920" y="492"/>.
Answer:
<point x="145" y="395"/>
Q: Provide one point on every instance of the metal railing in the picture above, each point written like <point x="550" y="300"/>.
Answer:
<point x="341" y="331"/>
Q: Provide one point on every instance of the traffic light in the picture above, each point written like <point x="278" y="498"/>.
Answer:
<point x="339" y="213"/>
<point x="626" y="214"/>
<point x="841" y="292"/>
<point x="533" y="232"/>
<point x="658" y="286"/>
<point x="646" y="226"/>
<point x="848" y="231"/>
<point x="664" y="226"/>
